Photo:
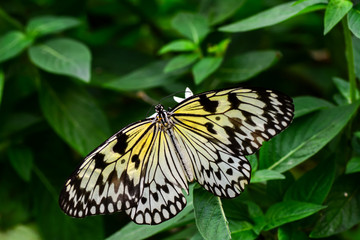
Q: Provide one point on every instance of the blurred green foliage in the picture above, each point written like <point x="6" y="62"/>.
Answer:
<point x="74" y="72"/>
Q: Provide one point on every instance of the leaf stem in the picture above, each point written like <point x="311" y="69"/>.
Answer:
<point x="46" y="182"/>
<point x="349" y="54"/>
<point x="10" y="20"/>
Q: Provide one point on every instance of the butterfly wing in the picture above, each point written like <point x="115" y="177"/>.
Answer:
<point x="124" y="173"/>
<point x="219" y="128"/>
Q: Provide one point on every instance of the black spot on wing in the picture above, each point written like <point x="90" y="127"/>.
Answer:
<point x="135" y="159"/>
<point x="234" y="101"/>
<point x="99" y="160"/>
<point x="210" y="127"/>
<point x="209" y="106"/>
<point x="121" y="144"/>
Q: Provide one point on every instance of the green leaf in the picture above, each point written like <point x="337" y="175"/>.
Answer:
<point x="307" y="104"/>
<point x="193" y="26"/>
<point x="266" y="175"/>
<point x="305" y="137"/>
<point x="289" y="232"/>
<point x="344" y="88"/>
<point x="2" y="82"/>
<point x="356" y="51"/>
<point x="314" y="185"/>
<point x="63" y="56"/>
<point x="180" y="61"/>
<point x="342" y="212"/>
<point x="12" y="44"/>
<point x="218" y="11"/>
<point x="20" y="232"/>
<point x="205" y="67"/>
<point x="178" y="46"/>
<point x="334" y="12"/>
<point x="289" y="211"/>
<point x="152" y="75"/>
<point x="74" y="115"/>
<point x="133" y="231"/>
<point x="354" y="21"/>
<point x="353" y="165"/>
<point x="247" y="65"/>
<point x="44" y="25"/>
<point x="270" y="17"/>
<point x="209" y="215"/>
<point x="21" y="158"/>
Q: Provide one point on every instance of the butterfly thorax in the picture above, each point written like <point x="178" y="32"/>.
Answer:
<point x="162" y="117"/>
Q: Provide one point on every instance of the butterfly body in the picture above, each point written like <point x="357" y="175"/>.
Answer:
<point x="144" y="168"/>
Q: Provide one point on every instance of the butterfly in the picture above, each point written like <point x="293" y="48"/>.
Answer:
<point x="145" y="168"/>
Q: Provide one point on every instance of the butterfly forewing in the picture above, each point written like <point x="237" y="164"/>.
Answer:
<point x="240" y="118"/>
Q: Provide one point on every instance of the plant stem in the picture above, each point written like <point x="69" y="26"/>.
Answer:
<point x="10" y="20"/>
<point x="349" y="54"/>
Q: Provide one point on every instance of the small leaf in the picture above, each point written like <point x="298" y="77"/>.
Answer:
<point x="344" y="88"/>
<point x="152" y="75"/>
<point x="266" y="175"/>
<point x="353" y="165"/>
<point x="178" y="46"/>
<point x="20" y="232"/>
<point x="180" y="61"/>
<point x="2" y="82"/>
<point x="63" y="56"/>
<point x="289" y="211"/>
<point x="270" y="17"/>
<point x="209" y="215"/>
<point x="12" y="44"/>
<point x="314" y="185"/>
<point x="218" y="11"/>
<point x="305" y="137"/>
<point x="74" y="115"/>
<point x="21" y="159"/>
<point x="205" y="67"/>
<point x="246" y="66"/>
<point x="354" y="21"/>
<point x="44" y="25"/>
<point x="307" y="104"/>
<point x="342" y="212"/>
<point x="335" y="11"/>
<point x="192" y="26"/>
<point x="133" y="231"/>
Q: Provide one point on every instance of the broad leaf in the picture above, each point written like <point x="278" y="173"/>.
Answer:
<point x="63" y="56"/>
<point x="353" y="165"/>
<point x="305" y="137"/>
<point x="133" y="231"/>
<point x="21" y="159"/>
<point x="342" y="212"/>
<point x="12" y="44"/>
<point x="209" y="215"/>
<point x="44" y="25"/>
<point x="205" y="67"/>
<point x="307" y="104"/>
<point x="289" y="211"/>
<point x="314" y="185"/>
<point x="354" y="21"/>
<point x="344" y="88"/>
<point x="247" y="65"/>
<point x="288" y="232"/>
<point x="335" y="11"/>
<point x="266" y="175"/>
<point x="20" y="232"/>
<point x="178" y="46"/>
<point x="193" y="26"/>
<point x="356" y="51"/>
<point x="152" y="75"/>
<point x="180" y="61"/>
<point x="74" y="115"/>
<point x="270" y="17"/>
